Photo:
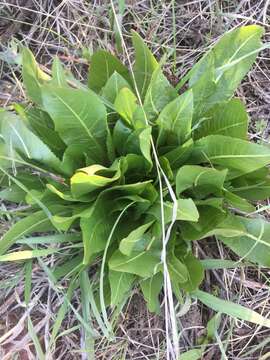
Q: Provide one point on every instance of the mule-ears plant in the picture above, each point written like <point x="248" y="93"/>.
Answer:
<point x="106" y="169"/>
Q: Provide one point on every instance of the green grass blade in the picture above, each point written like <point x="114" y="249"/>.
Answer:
<point x="35" y="339"/>
<point x="89" y="342"/>
<point x="27" y="254"/>
<point x="50" y="239"/>
<point x="214" y="264"/>
<point x="62" y="312"/>
<point x="231" y="309"/>
<point x="28" y="281"/>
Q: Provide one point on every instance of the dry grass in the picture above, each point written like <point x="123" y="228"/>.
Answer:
<point x="71" y="29"/>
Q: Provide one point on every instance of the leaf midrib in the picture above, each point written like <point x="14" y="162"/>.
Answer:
<point x="81" y="122"/>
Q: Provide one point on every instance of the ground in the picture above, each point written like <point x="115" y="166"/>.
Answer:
<point x="72" y="29"/>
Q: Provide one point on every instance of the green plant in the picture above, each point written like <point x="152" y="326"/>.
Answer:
<point x="123" y="175"/>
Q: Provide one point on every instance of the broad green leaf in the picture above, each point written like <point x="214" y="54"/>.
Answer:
<point x="33" y="76"/>
<point x="109" y="142"/>
<point x="216" y="202"/>
<point x="178" y="155"/>
<point x="159" y="93"/>
<point x="113" y="87"/>
<point x="209" y="218"/>
<point x="238" y="155"/>
<point x="138" y="188"/>
<point x="139" y="142"/>
<point x="186" y="211"/>
<point x="42" y="125"/>
<point x="257" y="175"/>
<point x="224" y="66"/>
<point x="229" y="119"/>
<point x="194" y="354"/>
<point x="93" y="177"/>
<point x="145" y="64"/>
<point x="80" y="119"/>
<point x="237" y="202"/>
<point x="97" y="226"/>
<point x="39" y="115"/>
<point x="139" y="119"/>
<point x="66" y="195"/>
<point x="136" y="142"/>
<point x="151" y="288"/>
<point x="37" y="221"/>
<point x="253" y="186"/>
<point x="144" y="263"/>
<point x="13" y="192"/>
<point x="204" y="180"/>
<point x="203" y="91"/>
<point x="102" y="66"/>
<point x="40" y="197"/>
<point x="63" y="222"/>
<point x="229" y="227"/>
<point x="74" y="157"/>
<point x="175" y="120"/>
<point x="166" y="167"/>
<point x="58" y="74"/>
<point x="36" y="196"/>
<point x="120" y="284"/>
<point x="254" y="242"/>
<point x="120" y="134"/>
<point x="125" y="104"/>
<point x="4" y="153"/>
<point x="255" y="192"/>
<point x="195" y="272"/>
<point x="177" y="269"/>
<point x="135" y="240"/>
<point x="135" y="167"/>
<point x="231" y="309"/>
<point x="27" y="144"/>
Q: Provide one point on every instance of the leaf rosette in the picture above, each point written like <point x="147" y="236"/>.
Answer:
<point x="83" y="159"/>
